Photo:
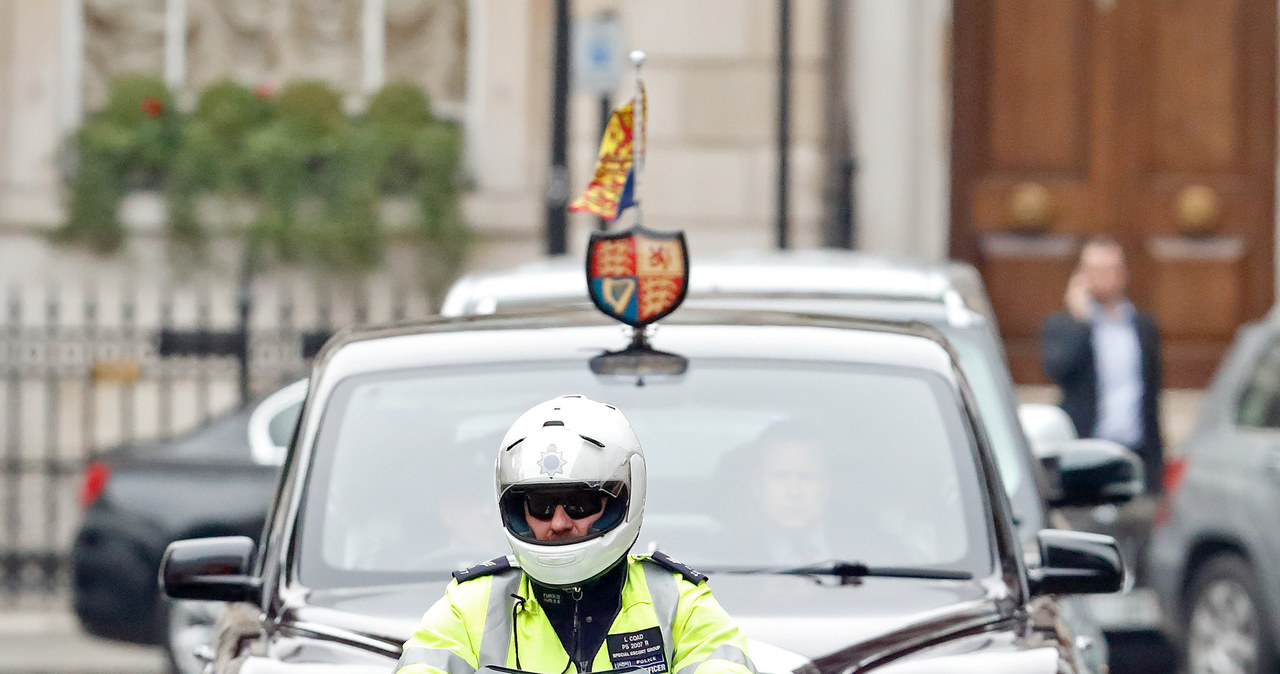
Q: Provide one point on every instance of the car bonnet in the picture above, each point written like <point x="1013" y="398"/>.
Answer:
<point x="790" y="621"/>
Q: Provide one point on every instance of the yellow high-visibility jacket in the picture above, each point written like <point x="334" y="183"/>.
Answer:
<point x="668" y="623"/>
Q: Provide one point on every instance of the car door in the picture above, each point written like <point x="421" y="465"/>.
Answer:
<point x="1245" y="464"/>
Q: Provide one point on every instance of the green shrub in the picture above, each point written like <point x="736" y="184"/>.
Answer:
<point x="316" y="177"/>
<point x="310" y="109"/>
<point x="129" y="144"/>
<point x="399" y="110"/>
<point x="229" y="109"/>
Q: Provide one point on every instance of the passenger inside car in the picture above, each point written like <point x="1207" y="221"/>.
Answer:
<point x="787" y="488"/>
<point x="801" y="498"/>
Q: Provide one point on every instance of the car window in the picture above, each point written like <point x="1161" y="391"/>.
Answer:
<point x="879" y="469"/>
<point x="1000" y="424"/>
<point x="1260" y="399"/>
<point x="281" y="426"/>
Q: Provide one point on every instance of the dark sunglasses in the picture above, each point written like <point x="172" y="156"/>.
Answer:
<point x="578" y="503"/>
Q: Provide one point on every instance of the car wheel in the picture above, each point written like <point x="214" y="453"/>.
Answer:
<point x="188" y="626"/>
<point x="1226" y="628"/>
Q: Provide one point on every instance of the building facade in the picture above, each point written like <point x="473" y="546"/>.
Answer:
<point x="1002" y="133"/>
<point x="711" y="73"/>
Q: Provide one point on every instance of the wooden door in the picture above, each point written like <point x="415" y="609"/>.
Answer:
<point x="1150" y="121"/>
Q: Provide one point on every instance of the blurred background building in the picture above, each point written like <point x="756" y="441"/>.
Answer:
<point x="997" y="132"/>
<point x="712" y="76"/>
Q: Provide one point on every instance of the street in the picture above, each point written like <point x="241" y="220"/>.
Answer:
<point x="44" y="638"/>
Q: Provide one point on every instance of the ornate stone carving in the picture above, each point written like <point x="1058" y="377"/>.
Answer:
<point x="323" y="41"/>
<point x="426" y="45"/>
<point x="234" y="39"/>
<point x="272" y="41"/>
<point x="120" y="36"/>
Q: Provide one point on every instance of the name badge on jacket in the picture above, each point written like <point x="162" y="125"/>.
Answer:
<point x="643" y="649"/>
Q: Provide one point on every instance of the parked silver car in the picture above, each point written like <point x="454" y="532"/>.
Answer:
<point x="1214" y="556"/>
<point x="950" y="296"/>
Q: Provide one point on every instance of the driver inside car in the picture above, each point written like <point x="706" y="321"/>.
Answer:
<point x="571" y="485"/>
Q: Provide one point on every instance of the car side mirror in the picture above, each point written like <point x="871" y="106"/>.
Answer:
<point x="1046" y="427"/>
<point x="1076" y="562"/>
<point x="216" y="569"/>
<point x="1093" y="471"/>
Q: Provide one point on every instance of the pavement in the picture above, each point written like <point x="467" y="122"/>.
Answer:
<point x="41" y="636"/>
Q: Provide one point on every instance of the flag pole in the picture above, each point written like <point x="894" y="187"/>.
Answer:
<point x="638" y="146"/>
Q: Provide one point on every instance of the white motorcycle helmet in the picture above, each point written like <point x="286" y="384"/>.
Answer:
<point x="582" y="455"/>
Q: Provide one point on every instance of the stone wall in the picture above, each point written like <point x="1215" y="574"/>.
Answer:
<point x="711" y="77"/>
<point x="30" y="93"/>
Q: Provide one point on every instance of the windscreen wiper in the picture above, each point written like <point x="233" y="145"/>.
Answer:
<point x="849" y="572"/>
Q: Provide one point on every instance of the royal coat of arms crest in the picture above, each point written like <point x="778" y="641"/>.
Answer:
<point x="637" y="276"/>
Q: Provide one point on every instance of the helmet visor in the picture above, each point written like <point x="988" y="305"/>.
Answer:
<point x="563" y="513"/>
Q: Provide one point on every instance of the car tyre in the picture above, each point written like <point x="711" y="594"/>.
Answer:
<point x="1225" y="625"/>
<point x="188" y="625"/>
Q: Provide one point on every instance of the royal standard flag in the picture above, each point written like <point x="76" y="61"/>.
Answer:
<point x="604" y="196"/>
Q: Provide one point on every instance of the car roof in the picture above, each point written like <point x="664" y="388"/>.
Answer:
<point x="570" y="332"/>
<point x="794" y="273"/>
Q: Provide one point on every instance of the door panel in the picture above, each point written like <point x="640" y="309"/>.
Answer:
<point x="1034" y="159"/>
<point x="1039" y="112"/>
<point x="1190" y="84"/>
<point x="1150" y="121"/>
<point x="1199" y="170"/>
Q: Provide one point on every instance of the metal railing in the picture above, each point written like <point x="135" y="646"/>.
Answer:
<point x="80" y="375"/>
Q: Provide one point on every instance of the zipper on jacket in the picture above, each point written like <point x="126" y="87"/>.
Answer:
<point x="576" y="594"/>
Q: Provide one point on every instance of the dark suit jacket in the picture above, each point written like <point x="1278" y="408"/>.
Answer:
<point x="1066" y="353"/>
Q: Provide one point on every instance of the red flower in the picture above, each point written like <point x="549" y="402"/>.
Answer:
<point x="264" y="91"/>
<point x="152" y="107"/>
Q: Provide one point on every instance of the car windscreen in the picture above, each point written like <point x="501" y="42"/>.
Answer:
<point x="978" y="350"/>
<point x="750" y="464"/>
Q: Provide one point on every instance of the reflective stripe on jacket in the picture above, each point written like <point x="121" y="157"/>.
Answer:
<point x="666" y="624"/>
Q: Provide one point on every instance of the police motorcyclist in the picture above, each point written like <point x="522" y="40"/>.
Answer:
<point x="571" y="490"/>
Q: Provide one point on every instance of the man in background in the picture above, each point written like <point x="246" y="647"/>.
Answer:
<point x="1104" y="355"/>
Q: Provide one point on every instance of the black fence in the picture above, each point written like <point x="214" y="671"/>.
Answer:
<point x="80" y="375"/>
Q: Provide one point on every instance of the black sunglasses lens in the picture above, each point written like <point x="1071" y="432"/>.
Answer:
<point x="540" y="506"/>
<point x="582" y="504"/>
<point x="577" y="504"/>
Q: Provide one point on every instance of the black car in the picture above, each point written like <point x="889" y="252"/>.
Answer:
<point x="388" y="487"/>
<point x="211" y="481"/>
